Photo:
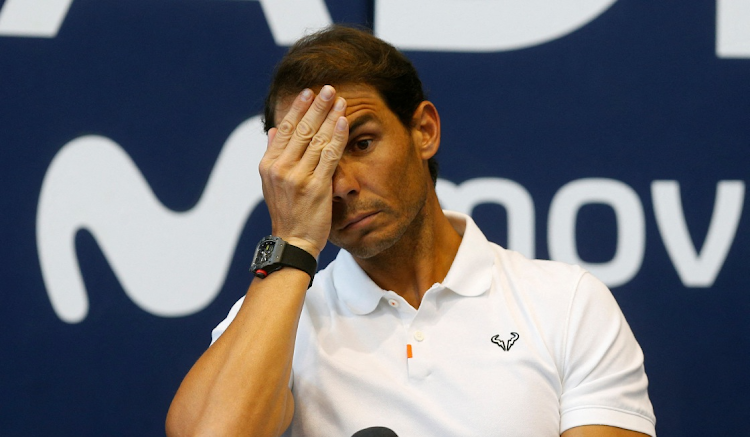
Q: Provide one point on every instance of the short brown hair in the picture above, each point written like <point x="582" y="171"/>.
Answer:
<point x="340" y="55"/>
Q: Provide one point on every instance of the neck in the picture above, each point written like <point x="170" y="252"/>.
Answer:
<point x="420" y="258"/>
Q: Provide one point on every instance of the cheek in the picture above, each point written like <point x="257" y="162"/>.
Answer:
<point x="407" y="182"/>
<point x="400" y="172"/>
<point x="394" y="170"/>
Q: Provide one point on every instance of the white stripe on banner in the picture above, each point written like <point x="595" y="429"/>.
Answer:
<point x="481" y="25"/>
<point x="33" y="18"/>
<point x="289" y="20"/>
<point x="733" y="28"/>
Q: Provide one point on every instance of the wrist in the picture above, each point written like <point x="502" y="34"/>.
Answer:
<point x="304" y="245"/>
<point x="274" y="253"/>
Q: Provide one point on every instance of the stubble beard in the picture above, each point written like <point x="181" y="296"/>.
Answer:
<point x="383" y="242"/>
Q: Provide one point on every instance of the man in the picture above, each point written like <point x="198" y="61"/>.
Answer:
<point x="420" y="325"/>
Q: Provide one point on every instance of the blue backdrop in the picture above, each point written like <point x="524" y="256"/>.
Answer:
<point x="130" y="200"/>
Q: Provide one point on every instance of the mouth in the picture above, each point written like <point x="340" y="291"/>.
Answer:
<point x="358" y="220"/>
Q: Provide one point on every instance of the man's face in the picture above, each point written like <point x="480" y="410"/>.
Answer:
<point x="381" y="183"/>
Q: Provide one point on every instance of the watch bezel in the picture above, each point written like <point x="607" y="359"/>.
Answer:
<point x="268" y="259"/>
<point x="271" y="263"/>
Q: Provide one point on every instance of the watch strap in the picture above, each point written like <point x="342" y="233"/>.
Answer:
<point x="298" y="258"/>
<point x="283" y="254"/>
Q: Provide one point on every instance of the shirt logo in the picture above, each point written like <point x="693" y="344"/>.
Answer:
<point x="511" y="341"/>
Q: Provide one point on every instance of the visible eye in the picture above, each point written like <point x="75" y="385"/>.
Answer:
<point x="361" y="145"/>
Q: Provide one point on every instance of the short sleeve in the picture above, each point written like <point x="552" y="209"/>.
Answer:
<point x="221" y="327"/>
<point x="604" y="381"/>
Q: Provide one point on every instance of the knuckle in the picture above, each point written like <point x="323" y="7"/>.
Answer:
<point x="307" y="190"/>
<point x="280" y="166"/>
<point x="264" y="166"/>
<point x="304" y="129"/>
<point x="318" y="141"/>
<point x="330" y="154"/>
<point x="285" y="127"/>
<point x="276" y="171"/>
<point x="276" y="179"/>
<point x="321" y="105"/>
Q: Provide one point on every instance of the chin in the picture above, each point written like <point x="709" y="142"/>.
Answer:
<point x="371" y="244"/>
<point x="366" y="244"/>
<point x="364" y="252"/>
<point x="365" y="248"/>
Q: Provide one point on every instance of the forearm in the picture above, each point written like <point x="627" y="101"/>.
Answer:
<point x="240" y="384"/>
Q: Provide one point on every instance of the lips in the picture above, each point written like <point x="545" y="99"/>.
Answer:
<point x="357" y="219"/>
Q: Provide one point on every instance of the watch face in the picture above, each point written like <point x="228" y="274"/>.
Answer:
<point x="273" y="253"/>
<point x="267" y="253"/>
<point x="265" y="250"/>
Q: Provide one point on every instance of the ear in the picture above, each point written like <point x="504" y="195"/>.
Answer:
<point x="426" y="130"/>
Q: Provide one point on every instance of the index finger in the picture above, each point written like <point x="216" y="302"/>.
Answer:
<point x="310" y="124"/>
<point x="284" y="131"/>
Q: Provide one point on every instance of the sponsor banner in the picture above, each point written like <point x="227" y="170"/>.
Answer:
<point x="604" y="133"/>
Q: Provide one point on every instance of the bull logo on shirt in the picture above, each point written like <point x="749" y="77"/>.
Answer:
<point x="511" y="341"/>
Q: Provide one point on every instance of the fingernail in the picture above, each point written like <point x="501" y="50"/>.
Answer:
<point x="306" y="95"/>
<point x="340" y="103"/>
<point x="326" y="93"/>
<point x="341" y="124"/>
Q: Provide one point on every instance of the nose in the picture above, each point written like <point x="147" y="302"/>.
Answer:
<point x="345" y="182"/>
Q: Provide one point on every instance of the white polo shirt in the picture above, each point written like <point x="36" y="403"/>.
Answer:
<point x="504" y="346"/>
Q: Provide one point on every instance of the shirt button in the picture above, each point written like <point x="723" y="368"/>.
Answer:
<point x="419" y="335"/>
<point x="393" y="303"/>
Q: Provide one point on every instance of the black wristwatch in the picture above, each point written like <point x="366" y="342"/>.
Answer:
<point x="274" y="253"/>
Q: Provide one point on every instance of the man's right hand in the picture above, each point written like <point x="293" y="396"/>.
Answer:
<point x="298" y="166"/>
<point x="240" y="385"/>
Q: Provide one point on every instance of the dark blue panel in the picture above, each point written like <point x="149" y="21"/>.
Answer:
<point x="637" y="95"/>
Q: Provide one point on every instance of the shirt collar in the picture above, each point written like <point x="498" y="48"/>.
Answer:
<point x="471" y="271"/>
<point x="469" y="275"/>
<point x="353" y="286"/>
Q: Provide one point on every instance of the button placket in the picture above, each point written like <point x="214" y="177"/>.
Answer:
<point x="421" y="363"/>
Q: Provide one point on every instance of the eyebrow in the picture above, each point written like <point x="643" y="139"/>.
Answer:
<point x="359" y="121"/>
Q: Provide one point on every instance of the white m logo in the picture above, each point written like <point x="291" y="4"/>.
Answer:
<point x="43" y="18"/>
<point x="169" y="263"/>
<point x="431" y="25"/>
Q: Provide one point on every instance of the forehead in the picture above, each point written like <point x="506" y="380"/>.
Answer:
<point x="360" y="100"/>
